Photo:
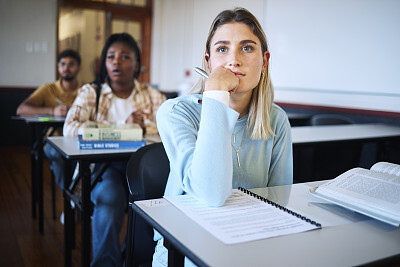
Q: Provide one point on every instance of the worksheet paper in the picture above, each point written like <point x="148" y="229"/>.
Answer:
<point x="242" y="218"/>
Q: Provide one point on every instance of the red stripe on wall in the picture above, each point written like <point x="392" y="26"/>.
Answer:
<point x="343" y="110"/>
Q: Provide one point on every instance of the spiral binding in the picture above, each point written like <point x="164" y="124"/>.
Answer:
<point x="279" y="207"/>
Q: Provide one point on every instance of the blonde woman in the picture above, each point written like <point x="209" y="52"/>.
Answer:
<point x="229" y="133"/>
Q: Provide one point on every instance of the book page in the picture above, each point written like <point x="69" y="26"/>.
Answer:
<point x="242" y="218"/>
<point x="386" y="167"/>
<point x="375" y="191"/>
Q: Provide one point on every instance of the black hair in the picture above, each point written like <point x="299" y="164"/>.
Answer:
<point x="70" y="53"/>
<point x="123" y="38"/>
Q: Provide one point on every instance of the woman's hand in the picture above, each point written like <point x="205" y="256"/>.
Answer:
<point x="138" y="117"/>
<point x="222" y="79"/>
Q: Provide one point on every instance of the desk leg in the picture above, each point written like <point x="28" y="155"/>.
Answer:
<point x="68" y="223"/>
<point x="68" y="231"/>
<point x="33" y="169"/>
<point x="86" y="211"/>
<point x="39" y="176"/>
<point x="175" y="258"/>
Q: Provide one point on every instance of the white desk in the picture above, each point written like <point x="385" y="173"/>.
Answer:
<point x="350" y="139"/>
<point x="38" y="126"/>
<point x="69" y="148"/>
<point x="343" y="133"/>
<point x="346" y="238"/>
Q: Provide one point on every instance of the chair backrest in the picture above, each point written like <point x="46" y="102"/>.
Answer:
<point x="332" y="159"/>
<point x="147" y="173"/>
<point x="330" y="119"/>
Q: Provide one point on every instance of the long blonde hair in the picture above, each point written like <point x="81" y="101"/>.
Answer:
<point x="263" y="94"/>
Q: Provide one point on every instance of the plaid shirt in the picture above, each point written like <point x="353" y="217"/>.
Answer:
<point x="145" y="99"/>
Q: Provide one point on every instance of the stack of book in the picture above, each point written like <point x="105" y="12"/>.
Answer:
<point x="111" y="136"/>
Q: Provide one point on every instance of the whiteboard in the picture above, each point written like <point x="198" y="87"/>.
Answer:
<point x="335" y="52"/>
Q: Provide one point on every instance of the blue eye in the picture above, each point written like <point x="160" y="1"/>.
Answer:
<point x="248" y="48"/>
<point x="221" y="49"/>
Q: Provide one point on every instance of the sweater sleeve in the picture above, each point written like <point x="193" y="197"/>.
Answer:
<point x="197" y="142"/>
<point x="80" y="111"/>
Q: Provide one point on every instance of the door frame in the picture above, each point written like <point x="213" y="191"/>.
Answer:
<point x="143" y="15"/>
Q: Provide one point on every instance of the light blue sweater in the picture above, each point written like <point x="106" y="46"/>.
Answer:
<point x="198" y="141"/>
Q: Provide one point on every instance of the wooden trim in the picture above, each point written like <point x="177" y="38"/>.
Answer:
<point x="343" y="110"/>
<point x="107" y="27"/>
<point x="129" y="11"/>
<point x="57" y="74"/>
<point x="123" y="12"/>
<point x="146" y="48"/>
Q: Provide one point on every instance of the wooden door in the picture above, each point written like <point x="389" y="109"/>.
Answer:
<point x="85" y="25"/>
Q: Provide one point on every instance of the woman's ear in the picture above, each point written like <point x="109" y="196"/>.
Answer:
<point x="207" y="57"/>
<point x="266" y="57"/>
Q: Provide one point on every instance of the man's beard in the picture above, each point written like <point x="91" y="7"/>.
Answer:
<point x="68" y="78"/>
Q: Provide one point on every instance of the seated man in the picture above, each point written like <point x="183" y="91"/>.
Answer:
<point x="55" y="99"/>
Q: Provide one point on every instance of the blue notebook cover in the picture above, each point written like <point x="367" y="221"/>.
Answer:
<point x="84" y="144"/>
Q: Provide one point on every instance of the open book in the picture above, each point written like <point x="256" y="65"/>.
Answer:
<point x="374" y="192"/>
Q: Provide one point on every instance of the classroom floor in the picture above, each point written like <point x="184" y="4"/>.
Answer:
<point x="20" y="242"/>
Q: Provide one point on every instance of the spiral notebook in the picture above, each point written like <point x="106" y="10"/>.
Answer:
<point x="244" y="217"/>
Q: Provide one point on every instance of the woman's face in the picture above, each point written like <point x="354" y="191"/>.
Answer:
<point x="120" y="63"/>
<point x="234" y="46"/>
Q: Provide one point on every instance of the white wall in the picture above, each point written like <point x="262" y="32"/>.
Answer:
<point x="27" y="42"/>
<point x="180" y="29"/>
<point x="342" y="53"/>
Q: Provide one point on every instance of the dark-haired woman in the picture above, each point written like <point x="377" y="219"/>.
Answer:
<point x="115" y="97"/>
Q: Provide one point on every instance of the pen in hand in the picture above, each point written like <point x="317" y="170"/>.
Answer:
<point x="201" y="72"/>
<point x="205" y="75"/>
<point x="59" y="102"/>
<point x="61" y="109"/>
